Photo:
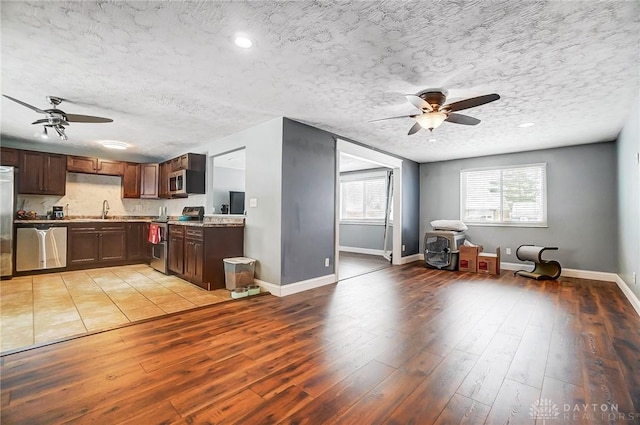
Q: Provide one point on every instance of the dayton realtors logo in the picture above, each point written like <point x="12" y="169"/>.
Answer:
<point x="546" y="410"/>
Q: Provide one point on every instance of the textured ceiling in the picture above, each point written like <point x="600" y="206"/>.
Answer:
<point x="170" y="77"/>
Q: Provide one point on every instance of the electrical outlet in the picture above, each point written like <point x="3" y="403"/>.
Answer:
<point x="507" y="251"/>
<point x="326" y="262"/>
<point x="404" y="248"/>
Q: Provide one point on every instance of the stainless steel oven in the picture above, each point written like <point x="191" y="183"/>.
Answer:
<point x="159" y="257"/>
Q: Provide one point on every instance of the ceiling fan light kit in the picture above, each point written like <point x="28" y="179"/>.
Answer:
<point x="431" y="120"/>
<point x="56" y="118"/>
<point x="434" y="109"/>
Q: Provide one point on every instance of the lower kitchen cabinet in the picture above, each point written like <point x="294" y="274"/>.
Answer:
<point x="176" y="249"/>
<point x="196" y="253"/>
<point x="137" y="244"/>
<point x="96" y="245"/>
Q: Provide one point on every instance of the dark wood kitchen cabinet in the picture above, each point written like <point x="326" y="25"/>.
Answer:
<point x="163" y="180"/>
<point x="131" y="180"/>
<point x="176" y="249"/>
<point x="137" y="244"/>
<point x="189" y="161"/>
<point x="87" y="165"/>
<point x="196" y="253"/>
<point x="42" y="173"/>
<point x="9" y="157"/>
<point x="149" y="174"/>
<point x="96" y="244"/>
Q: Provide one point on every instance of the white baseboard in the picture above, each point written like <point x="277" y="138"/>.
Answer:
<point x="294" y="288"/>
<point x="631" y="296"/>
<point x="357" y="250"/>
<point x="412" y="258"/>
<point x="582" y="274"/>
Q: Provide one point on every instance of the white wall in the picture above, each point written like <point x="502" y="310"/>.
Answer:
<point x="263" y="181"/>
<point x="628" y="147"/>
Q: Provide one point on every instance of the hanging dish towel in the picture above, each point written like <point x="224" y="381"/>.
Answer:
<point x="154" y="233"/>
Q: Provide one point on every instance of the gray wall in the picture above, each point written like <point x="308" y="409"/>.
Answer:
<point x="308" y="202"/>
<point x="629" y="201"/>
<point x="410" y="207"/>
<point x="581" y="204"/>
<point x="368" y="236"/>
<point x="224" y="180"/>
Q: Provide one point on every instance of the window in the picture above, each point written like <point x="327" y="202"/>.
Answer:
<point x="508" y="196"/>
<point x="363" y="197"/>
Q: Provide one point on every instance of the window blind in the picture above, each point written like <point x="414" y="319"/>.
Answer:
<point x="505" y="196"/>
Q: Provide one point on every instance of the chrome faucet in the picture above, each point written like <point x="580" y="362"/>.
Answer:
<point x="105" y="209"/>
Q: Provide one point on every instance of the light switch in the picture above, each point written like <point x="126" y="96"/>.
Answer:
<point x="253" y="202"/>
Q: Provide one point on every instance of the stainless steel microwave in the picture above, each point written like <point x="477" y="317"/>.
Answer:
<point x="183" y="182"/>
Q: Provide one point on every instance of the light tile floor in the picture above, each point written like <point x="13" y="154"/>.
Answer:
<point x="43" y="308"/>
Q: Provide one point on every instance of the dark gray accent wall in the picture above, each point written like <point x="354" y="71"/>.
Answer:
<point x="308" y="202"/>
<point x="628" y="145"/>
<point x="581" y="204"/>
<point x="410" y="207"/>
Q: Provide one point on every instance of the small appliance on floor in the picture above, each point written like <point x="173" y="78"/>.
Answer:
<point x="441" y="249"/>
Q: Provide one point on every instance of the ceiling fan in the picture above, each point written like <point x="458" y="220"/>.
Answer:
<point x="435" y="110"/>
<point x="56" y="118"/>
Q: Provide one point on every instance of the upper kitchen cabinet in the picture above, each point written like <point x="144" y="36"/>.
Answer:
<point x="140" y="180"/>
<point x="131" y="180"/>
<point x="189" y="161"/>
<point x="9" y="157"/>
<point x="82" y="164"/>
<point x="149" y="174"/>
<point x="42" y="173"/>
<point x="163" y="182"/>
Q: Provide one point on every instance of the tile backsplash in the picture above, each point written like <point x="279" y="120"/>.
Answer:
<point x="86" y="192"/>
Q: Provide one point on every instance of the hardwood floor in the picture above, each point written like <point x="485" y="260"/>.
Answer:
<point x="403" y="345"/>
<point x="353" y="264"/>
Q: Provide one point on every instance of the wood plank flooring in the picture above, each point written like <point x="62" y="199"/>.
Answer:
<point x="403" y="345"/>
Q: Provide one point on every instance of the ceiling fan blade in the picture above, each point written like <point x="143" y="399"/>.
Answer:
<point x="86" y="118"/>
<point x="25" y="104"/>
<point x="393" y="118"/>
<point x="418" y="102"/>
<point x="471" y="103"/>
<point x="42" y="121"/>
<point x="416" y="127"/>
<point x="462" y="119"/>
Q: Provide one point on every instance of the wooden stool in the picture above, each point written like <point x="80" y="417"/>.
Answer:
<point x="543" y="269"/>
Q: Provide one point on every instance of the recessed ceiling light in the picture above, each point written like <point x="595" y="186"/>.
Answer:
<point x="432" y="140"/>
<point x="243" y="41"/>
<point x="526" y="124"/>
<point x="114" y="144"/>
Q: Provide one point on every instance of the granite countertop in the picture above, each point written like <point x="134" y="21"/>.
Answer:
<point x="212" y="221"/>
<point x="208" y="221"/>
<point x="115" y="219"/>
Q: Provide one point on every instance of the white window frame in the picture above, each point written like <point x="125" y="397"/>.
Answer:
<point x="362" y="176"/>
<point x="542" y="223"/>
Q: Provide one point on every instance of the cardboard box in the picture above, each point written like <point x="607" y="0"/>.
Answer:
<point x="489" y="263"/>
<point x="468" y="258"/>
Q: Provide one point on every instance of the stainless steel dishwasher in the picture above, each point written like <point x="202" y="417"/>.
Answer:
<point x="41" y="246"/>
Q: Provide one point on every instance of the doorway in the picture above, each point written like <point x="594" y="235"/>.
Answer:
<point x="368" y="210"/>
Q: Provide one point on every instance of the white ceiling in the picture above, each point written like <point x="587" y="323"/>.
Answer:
<point x="170" y="77"/>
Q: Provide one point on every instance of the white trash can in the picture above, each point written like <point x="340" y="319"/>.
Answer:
<point x="238" y="272"/>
